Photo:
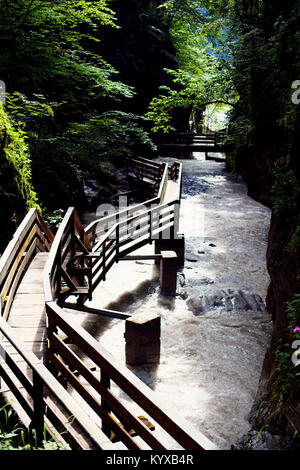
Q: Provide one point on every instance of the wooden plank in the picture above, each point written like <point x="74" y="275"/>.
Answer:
<point x="29" y="299"/>
<point x="140" y="257"/>
<point x="55" y="253"/>
<point x="48" y="233"/>
<point x="116" y="406"/>
<point x="18" y="268"/>
<point x="16" y="391"/>
<point x="103" y="311"/>
<point x="186" y="436"/>
<point x="94" y="404"/>
<point x="92" y="430"/>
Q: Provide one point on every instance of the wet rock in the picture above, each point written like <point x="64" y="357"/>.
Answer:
<point x="205" y="281"/>
<point x="181" y="279"/>
<point x="239" y="303"/>
<point x="228" y="304"/>
<point x="191" y="258"/>
<point x="264" y="440"/>
<point x="195" y="305"/>
<point x="229" y="300"/>
<point x="183" y="294"/>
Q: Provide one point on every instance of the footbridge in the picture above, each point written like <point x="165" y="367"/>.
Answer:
<point x="189" y="142"/>
<point x="54" y="374"/>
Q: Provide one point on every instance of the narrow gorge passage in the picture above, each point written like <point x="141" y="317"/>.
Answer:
<point x="216" y="331"/>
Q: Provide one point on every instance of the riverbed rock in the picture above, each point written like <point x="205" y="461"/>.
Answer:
<point x="227" y="299"/>
<point x="264" y="440"/>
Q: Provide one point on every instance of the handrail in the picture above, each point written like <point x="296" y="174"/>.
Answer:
<point x="74" y="267"/>
<point x="43" y="408"/>
<point x="188" y="138"/>
<point x="114" y="244"/>
<point x="91" y="229"/>
<point x="111" y="370"/>
<point x="32" y="235"/>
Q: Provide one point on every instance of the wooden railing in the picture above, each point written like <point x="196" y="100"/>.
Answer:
<point x="100" y="390"/>
<point x="32" y="235"/>
<point x="77" y="262"/>
<point x="101" y="383"/>
<point x="146" y="170"/>
<point x="41" y="399"/>
<point x="44" y="400"/>
<point x="189" y="138"/>
<point x="98" y="228"/>
<point x="80" y="259"/>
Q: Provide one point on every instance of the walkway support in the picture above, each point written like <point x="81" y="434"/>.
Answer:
<point x="171" y="244"/>
<point x="142" y="335"/>
<point x="168" y="272"/>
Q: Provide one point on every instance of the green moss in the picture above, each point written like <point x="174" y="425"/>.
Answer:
<point x="287" y="373"/>
<point x="16" y="163"/>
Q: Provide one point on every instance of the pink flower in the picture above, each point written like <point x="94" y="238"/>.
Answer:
<point x="297" y="329"/>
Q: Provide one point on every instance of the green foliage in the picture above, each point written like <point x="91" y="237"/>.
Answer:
<point x="294" y="245"/>
<point x="114" y="134"/>
<point x="189" y="92"/>
<point x="201" y="37"/>
<point x="54" y="219"/>
<point x="59" y="88"/>
<point x="15" y="162"/>
<point x="293" y="311"/>
<point x="287" y="373"/>
<point x="285" y="189"/>
<point x="14" y="436"/>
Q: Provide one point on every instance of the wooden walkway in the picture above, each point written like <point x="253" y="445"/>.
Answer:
<point x="27" y="318"/>
<point x="27" y="315"/>
<point x="35" y="284"/>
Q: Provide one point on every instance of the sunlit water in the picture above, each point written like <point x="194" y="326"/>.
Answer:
<point x="213" y="342"/>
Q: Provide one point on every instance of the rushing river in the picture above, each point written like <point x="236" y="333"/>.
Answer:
<point x="215" y="332"/>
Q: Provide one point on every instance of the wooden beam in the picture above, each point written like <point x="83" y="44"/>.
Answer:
<point x="103" y="311"/>
<point x="140" y="257"/>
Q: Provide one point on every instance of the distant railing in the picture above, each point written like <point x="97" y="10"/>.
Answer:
<point x="98" y="228"/>
<point x="191" y="138"/>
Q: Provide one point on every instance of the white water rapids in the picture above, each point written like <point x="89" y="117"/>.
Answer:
<point x="215" y="332"/>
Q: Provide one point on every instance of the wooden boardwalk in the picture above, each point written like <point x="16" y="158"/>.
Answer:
<point x="38" y="273"/>
<point x="27" y="316"/>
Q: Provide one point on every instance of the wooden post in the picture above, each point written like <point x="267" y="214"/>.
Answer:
<point x="37" y="423"/>
<point x="142" y="335"/>
<point x="168" y="272"/>
<point x="176" y="244"/>
<point x="105" y="381"/>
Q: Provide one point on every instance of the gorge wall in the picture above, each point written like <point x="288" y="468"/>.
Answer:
<point x="267" y="156"/>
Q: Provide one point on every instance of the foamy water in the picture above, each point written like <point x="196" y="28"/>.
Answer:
<point x="211" y="350"/>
